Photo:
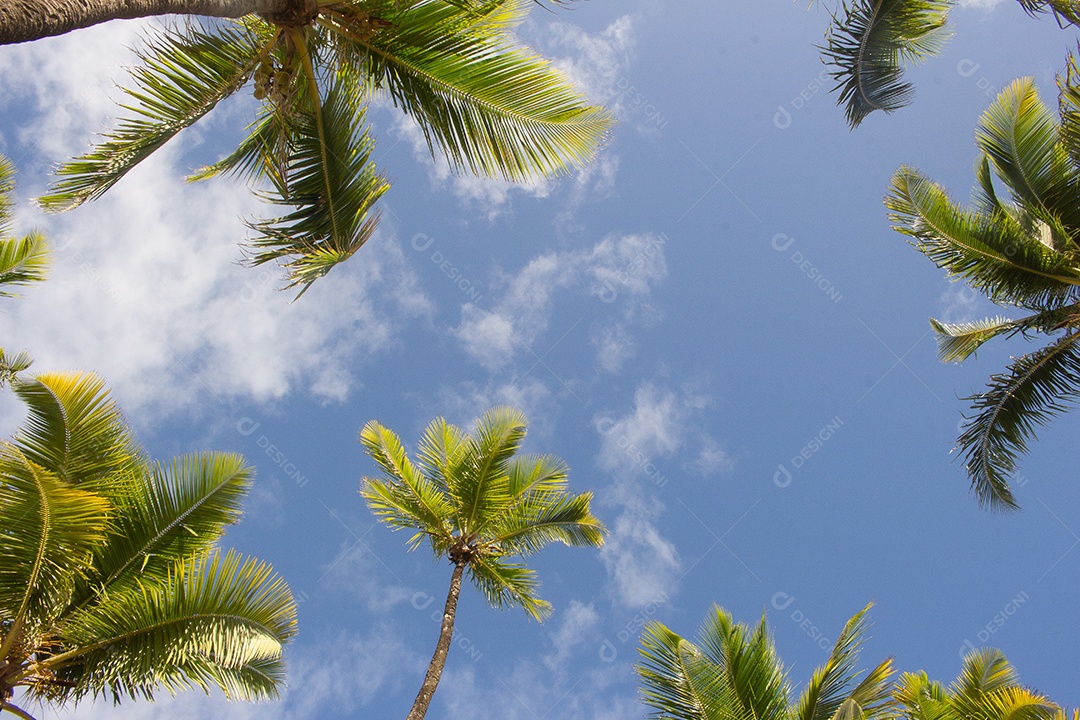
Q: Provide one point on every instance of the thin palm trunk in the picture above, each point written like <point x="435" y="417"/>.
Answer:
<point x="438" y="660"/>
<point x="25" y="20"/>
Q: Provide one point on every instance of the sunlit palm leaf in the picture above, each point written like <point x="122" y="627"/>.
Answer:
<point x="178" y="509"/>
<point x="482" y="488"/>
<point x="330" y="181"/>
<point x="1066" y="11"/>
<point x="992" y="252"/>
<point x="1020" y="136"/>
<point x="12" y="365"/>
<point x="1037" y="387"/>
<point x="493" y="107"/>
<point x="23" y="261"/>
<point x="184" y="74"/>
<point x="508" y="584"/>
<point x="74" y="429"/>
<point x="679" y="682"/>
<point x="227" y="610"/>
<point x="832" y="691"/>
<point x="868" y="43"/>
<point x="49" y="530"/>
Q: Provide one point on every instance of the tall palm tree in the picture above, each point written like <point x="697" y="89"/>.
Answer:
<point x="479" y="506"/>
<point x="734" y="673"/>
<point x="1022" y="250"/>
<point x="492" y="106"/>
<point x="870" y="41"/>
<point x="111" y="583"/>
<point x="987" y="687"/>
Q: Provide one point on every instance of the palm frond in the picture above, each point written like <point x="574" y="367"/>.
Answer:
<point x="1036" y="388"/>
<point x="405" y="499"/>
<point x="7" y="188"/>
<point x="441" y="450"/>
<point x="74" y="429"/>
<point x="330" y="181"/>
<point x="868" y="43"/>
<point x="988" y="686"/>
<point x="482" y="488"/>
<point x="960" y="340"/>
<point x="23" y="262"/>
<point x="12" y="365"/>
<point x="1020" y="136"/>
<point x="567" y="520"/>
<point x="229" y="611"/>
<point x="830" y="693"/>
<point x="920" y="698"/>
<point x="48" y="532"/>
<point x="176" y="510"/>
<point x="508" y="584"/>
<point x="493" y="108"/>
<point x="993" y="253"/>
<point x="1065" y="11"/>
<point x="183" y="75"/>
<point x="747" y="658"/>
<point x="678" y="681"/>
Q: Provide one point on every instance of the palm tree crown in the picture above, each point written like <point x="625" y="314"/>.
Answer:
<point x="1022" y="250"/>
<point x="110" y="580"/>
<point x="734" y="673"/>
<point x="492" y="106"/>
<point x="473" y="500"/>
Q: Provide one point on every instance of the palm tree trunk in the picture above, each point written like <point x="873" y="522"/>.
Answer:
<point x="24" y="20"/>
<point x="438" y="660"/>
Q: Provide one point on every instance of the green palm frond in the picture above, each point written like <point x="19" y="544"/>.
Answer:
<point x="1020" y="136"/>
<point x="12" y="365"/>
<point x="995" y="254"/>
<point x="747" y="657"/>
<point x="566" y="519"/>
<point x="1066" y="11"/>
<point x="1038" y="386"/>
<point x="50" y="530"/>
<point x="920" y="698"/>
<point x="958" y="341"/>
<point x="869" y="42"/>
<point x="23" y="261"/>
<point x="679" y="682"/>
<point x="508" y="584"/>
<point x="407" y="499"/>
<point x="178" y="509"/>
<point x="7" y="187"/>
<point x="482" y="488"/>
<point x="184" y="74"/>
<point x="494" y="108"/>
<point x="1068" y="83"/>
<point x="74" y="429"/>
<point x="330" y="181"/>
<point x="830" y="692"/>
<point x="442" y="449"/>
<point x="989" y="687"/>
<point x="229" y="611"/>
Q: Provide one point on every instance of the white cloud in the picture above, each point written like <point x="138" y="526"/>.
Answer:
<point x="644" y="566"/>
<point x="980" y="4"/>
<point x="578" y="625"/>
<point x="627" y="266"/>
<point x="595" y="63"/>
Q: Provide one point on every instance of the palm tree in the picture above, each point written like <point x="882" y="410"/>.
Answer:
<point x="733" y="673"/>
<point x="1021" y="251"/>
<point x="987" y="688"/>
<point x="111" y="584"/>
<point x="481" y="507"/>
<point x="492" y="106"/>
<point x="870" y="41"/>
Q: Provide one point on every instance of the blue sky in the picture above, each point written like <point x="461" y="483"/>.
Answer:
<point x="712" y="324"/>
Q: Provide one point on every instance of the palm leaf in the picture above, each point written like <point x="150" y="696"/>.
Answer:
<point x="1021" y="138"/>
<point x="74" y="429"/>
<point x="23" y="261"/>
<point x="1066" y="11"/>
<point x="1036" y="388"/>
<point x="11" y="366"/>
<point x="868" y="43"/>
<point x="995" y="254"/>
<point x="49" y="532"/>
<point x="678" y="681"/>
<point x="830" y="694"/>
<point x="177" y="510"/>
<point x="567" y="519"/>
<point x="226" y="610"/>
<point x="508" y="584"/>
<point x="330" y="182"/>
<point x="493" y="107"/>
<point x="183" y="75"/>
<point x="748" y="660"/>
<point x="989" y="687"/>
<point x="443" y="447"/>
<point x="406" y="499"/>
<point x="482" y="488"/>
